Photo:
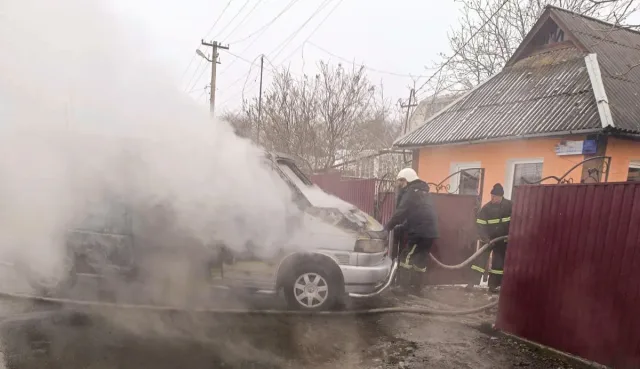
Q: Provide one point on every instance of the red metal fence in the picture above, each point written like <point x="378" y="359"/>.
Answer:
<point x="572" y="272"/>
<point x="370" y="195"/>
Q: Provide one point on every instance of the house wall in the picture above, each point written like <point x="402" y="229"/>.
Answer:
<point x="622" y="152"/>
<point x="435" y="163"/>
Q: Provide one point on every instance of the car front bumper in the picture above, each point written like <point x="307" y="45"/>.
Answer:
<point x="366" y="279"/>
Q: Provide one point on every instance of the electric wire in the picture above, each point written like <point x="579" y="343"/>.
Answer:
<point x="441" y="67"/>
<point x="312" y="32"/>
<point x="193" y="57"/>
<point x="288" y="40"/>
<point x="243" y="19"/>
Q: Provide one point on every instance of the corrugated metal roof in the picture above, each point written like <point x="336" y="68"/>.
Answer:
<point x="618" y="50"/>
<point x="547" y="93"/>
<point x="544" y="93"/>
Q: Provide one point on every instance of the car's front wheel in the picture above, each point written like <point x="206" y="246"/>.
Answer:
<point x="313" y="287"/>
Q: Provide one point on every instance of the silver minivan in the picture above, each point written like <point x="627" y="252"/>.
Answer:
<point x="345" y="251"/>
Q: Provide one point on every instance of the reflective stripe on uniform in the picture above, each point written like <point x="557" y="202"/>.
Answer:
<point x="407" y="263"/>
<point x="496" y="271"/>
<point x="477" y="268"/>
<point x="494" y="221"/>
<point x="408" y="259"/>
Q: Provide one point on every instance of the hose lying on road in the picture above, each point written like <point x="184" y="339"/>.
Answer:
<point x="169" y="309"/>
<point x="486" y="247"/>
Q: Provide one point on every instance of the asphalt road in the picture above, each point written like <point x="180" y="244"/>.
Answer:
<point x="50" y="339"/>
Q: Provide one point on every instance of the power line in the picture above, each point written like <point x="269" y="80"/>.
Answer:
<point x="234" y="18"/>
<point x="463" y="45"/>
<point x="215" y="23"/>
<point x="288" y="40"/>
<point x="243" y="19"/>
<point x="193" y="57"/>
<point x="268" y="24"/>
<point x="366" y="67"/>
<point x="312" y="32"/>
<point x="261" y="30"/>
<point x="244" y="76"/>
<point x="194" y="80"/>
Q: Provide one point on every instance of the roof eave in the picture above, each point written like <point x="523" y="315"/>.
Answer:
<point x="507" y="138"/>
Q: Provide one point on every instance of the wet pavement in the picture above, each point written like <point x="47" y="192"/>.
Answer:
<point x="47" y="337"/>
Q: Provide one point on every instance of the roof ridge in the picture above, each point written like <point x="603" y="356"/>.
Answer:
<point x="511" y="67"/>
<point x="579" y="92"/>
<point x="620" y="27"/>
<point x="608" y="40"/>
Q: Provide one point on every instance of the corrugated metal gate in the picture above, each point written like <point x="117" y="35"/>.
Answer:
<point x="458" y="238"/>
<point x="572" y="272"/>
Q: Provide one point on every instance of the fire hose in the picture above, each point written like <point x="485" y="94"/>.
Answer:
<point x="168" y="309"/>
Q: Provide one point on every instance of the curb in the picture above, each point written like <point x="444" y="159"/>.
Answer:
<point x="568" y="356"/>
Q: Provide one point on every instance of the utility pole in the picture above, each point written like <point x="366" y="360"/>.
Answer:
<point x="408" y="106"/>
<point x="260" y="100"/>
<point x="214" y="62"/>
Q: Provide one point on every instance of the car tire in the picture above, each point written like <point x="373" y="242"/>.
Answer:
<point x="50" y="286"/>
<point x="313" y="287"/>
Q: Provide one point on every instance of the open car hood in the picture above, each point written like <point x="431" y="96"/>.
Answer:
<point x="352" y="219"/>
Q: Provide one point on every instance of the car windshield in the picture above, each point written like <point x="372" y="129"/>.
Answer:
<point x="106" y="217"/>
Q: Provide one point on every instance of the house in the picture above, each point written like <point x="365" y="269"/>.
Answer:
<point x="570" y="92"/>
<point x="372" y="164"/>
<point x="427" y="108"/>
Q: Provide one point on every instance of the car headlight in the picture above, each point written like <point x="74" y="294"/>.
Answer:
<point x="370" y="245"/>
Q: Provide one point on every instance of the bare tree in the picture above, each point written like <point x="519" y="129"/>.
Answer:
<point x="490" y="31"/>
<point x="332" y="116"/>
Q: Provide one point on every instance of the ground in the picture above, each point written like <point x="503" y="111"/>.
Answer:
<point x="50" y="337"/>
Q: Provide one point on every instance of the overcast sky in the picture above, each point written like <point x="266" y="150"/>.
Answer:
<point x="401" y="36"/>
<point x="389" y="37"/>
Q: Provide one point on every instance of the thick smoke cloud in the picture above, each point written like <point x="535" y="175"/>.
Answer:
<point x="87" y="116"/>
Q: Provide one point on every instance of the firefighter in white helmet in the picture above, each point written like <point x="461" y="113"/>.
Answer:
<point x="416" y="212"/>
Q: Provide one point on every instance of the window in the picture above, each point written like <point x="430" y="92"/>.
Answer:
<point x="634" y="171"/>
<point x="520" y="172"/>
<point x="467" y="181"/>
<point x="107" y="216"/>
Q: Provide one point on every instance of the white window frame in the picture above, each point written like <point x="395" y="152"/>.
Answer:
<point x="510" y="172"/>
<point x="633" y="164"/>
<point x="454" y="182"/>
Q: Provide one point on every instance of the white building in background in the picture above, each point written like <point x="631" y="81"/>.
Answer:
<point x="381" y="163"/>
<point x="427" y="108"/>
<point x="373" y="163"/>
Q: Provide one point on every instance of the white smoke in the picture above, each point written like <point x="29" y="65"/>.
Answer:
<point x="86" y="112"/>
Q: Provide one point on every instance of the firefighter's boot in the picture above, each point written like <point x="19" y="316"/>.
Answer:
<point x="417" y="283"/>
<point x="403" y="282"/>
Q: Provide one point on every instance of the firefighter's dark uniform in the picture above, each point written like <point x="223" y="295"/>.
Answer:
<point x="493" y="221"/>
<point x="415" y="211"/>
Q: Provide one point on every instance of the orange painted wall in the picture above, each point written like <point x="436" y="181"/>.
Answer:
<point x="621" y="152"/>
<point x="434" y="163"/>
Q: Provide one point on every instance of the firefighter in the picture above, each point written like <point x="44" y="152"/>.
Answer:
<point x="416" y="213"/>
<point x="493" y="221"/>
